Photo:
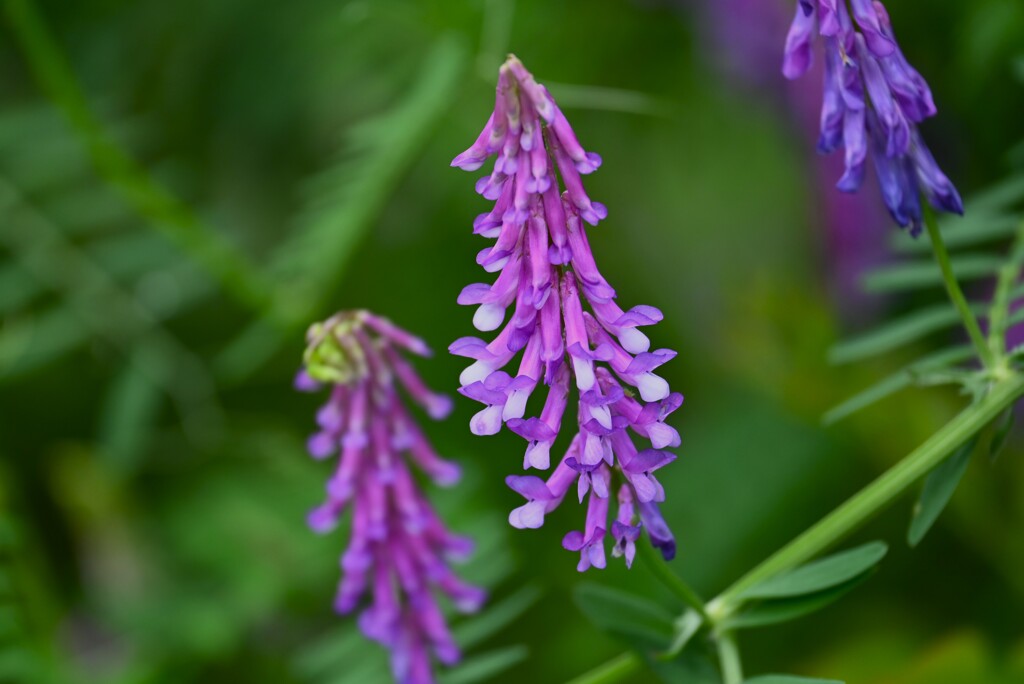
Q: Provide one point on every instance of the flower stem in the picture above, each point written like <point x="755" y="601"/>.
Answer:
<point x="729" y="659"/>
<point x="611" y="671"/>
<point x="955" y="293"/>
<point x="673" y="582"/>
<point x="863" y="505"/>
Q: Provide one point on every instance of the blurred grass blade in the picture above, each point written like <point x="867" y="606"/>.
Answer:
<point x="939" y="487"/>
<point x="789" y="679"/>
<point x="977" y="228"/>
<point x="328" y="652"/>
<point x="880" y="390"/>
<point x="917" y="275"/>
<point x="639" y="621"/>
<point x="344" y="200"/>
<point x="484" y="666"/>
<point x="496" y="617"/>
<point x="999" y="197"/>
<point x="897" y="332"/>
<point x="150" y="199"/>
<point x="897" y="381"/>
<point x="820" y="574"/>
<point x="93" y="305"/>
<point x="608" y="99"/>
<point x="988" y="216"/>
<point x="128" y="416"/>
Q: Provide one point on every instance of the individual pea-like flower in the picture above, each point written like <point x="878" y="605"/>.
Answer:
<point x="567" y="327"/>
<point x="872" y="104"/>
<point x="399" y="549"/>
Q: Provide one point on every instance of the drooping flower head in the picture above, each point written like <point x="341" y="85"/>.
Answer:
<point x="872" y="104"/>
<point x="567" y="327"/>
<point x="398" y="555"/>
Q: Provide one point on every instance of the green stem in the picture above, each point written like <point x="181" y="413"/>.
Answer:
<point x="729" y="659"/>
<point x="863" y="505"/>
<point x="144" y="194"/>
<point x="999" y="312"/>
<point x="612" y="671"/>
<point x="677" y="585"/>
<point x="955" y="293"/>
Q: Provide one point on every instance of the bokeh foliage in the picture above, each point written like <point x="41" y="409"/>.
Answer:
<point x="185" y="185"/>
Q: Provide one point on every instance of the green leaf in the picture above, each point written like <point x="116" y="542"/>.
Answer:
<point x="880" y="390"/>
<point x="1004" y="425"/>
<point x="495" y="618"/>
<point x="897" y="333"/>
<point x="938" y="490"/>
<point x="609" y="99"/>
<point x="821" y="574"/>
<point x="686" y="627"/>
<point x="129" y="413"/>
<point x="121" y="171"/>
<point x="1000" y="197"/>
<point x="485" y="666"/>
<point x="897" y="381"/>
<point x="693" y="666"/>
<point x="921" y="274"/>
<point x="976" y="229"/>
<point x="344" y="201"/>
<point x="642" y="623"/>
<point x="789" y="679"/>
<point x="774" y="611"/>
<point x="987" y="217"/>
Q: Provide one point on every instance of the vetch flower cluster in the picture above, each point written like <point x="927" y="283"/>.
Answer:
<point x="398" y="552"/>
<point x="569" y="329"/>
<point x="872" y="104"/>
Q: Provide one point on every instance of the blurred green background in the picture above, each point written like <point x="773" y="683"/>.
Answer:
<point x="185" y="185"/>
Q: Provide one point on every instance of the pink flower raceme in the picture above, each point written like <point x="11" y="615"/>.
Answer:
<point x="568" y="328"/>
<point x="398" y="552"/>
<point x="872" y="104"/>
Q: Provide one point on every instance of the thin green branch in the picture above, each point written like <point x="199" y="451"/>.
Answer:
<point x="611" y="671"/>
<point x="149" y="198"/>
<point x="653" y="561"/>
<point x="998" y="318"/>
<point x="870" y="500"/>
<point x="729" y="659"/>
<point x="955" y="293"/>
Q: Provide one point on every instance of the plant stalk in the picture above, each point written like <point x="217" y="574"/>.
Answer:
<point x="612" y="671"/>
<point x="863" y="505"/>
<point x="998" y="317"/>
<point x="677" y="585"/>
<point x="729" y="659"/>
<point x="955" y="293"/>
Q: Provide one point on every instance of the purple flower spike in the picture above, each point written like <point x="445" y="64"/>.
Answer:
<point x="873" y="101"/>
<point x="550" y="303"/>
<point x="398" y="555"/>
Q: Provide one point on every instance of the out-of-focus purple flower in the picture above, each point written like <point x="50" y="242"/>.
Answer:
<point x="399" y="550"/>
<point x="872" y="104"/>
<point x="566" y="325"/>
<point x="747" y="53"/>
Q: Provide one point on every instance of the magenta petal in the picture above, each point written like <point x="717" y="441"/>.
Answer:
<point x="573" y="541"/>
<point x="649" y="460"/>
<point x="529" y="486"/>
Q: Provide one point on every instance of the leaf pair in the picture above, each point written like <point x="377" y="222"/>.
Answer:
<point x="806" y="589"/>
<point x="942" y="482"/>
<point x="992" y="218"/>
